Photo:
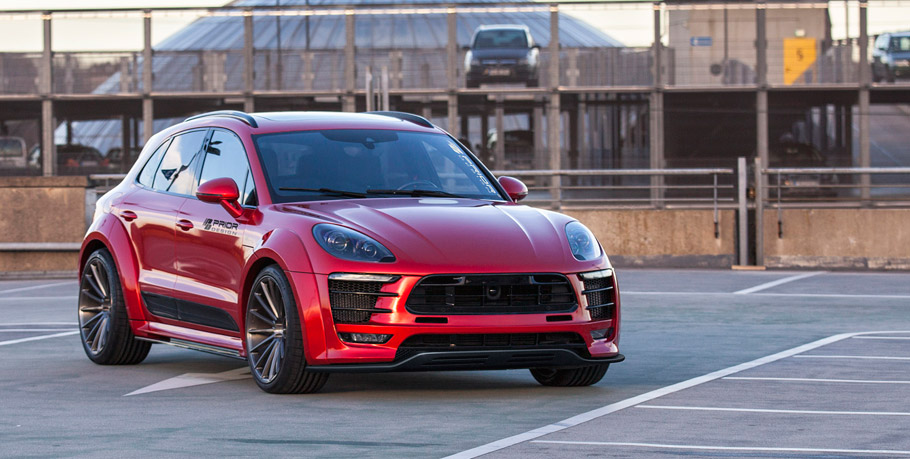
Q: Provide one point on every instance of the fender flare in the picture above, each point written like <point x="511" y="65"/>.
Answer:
<point x="110" y="233"/>
<point x="285" y="248"/>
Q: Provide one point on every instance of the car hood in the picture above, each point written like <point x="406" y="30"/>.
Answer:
<point x="456" y="235"/>
<point x="500" y="53"/>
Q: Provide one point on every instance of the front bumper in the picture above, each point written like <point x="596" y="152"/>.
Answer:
<point x="330" y="353"/>
<point x="505" y="359"/>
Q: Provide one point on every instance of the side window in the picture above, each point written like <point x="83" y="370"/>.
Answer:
<point x="249" y="198"/>
<point x="225" y="157"/>
<point x="151" y="166"/>
<point x="177" y="171"/>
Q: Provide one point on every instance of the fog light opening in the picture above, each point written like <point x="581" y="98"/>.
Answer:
<point x="365" y="338"/>
<point x="602" y="334"/>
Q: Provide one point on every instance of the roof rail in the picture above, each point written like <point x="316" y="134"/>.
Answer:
<point x="236" y="114"/>
<point x="416" y="119"/>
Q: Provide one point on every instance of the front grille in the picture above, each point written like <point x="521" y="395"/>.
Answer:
<point x="471" y="342"/>
<point x="354" y="302"/>
<point x="492" y="294"/>
<point x="601" y="297"/>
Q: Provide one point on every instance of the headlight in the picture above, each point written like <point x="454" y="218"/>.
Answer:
<point x="582" y="242"/>
<point x="348" y="244"/>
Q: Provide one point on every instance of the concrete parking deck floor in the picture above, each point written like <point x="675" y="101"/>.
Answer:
<point x="719" y="363"/>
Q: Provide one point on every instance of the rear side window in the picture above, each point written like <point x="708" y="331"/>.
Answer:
<point x="225" y="157"/>
<point x="151" y="166"/>
<point x="177" y="172"/>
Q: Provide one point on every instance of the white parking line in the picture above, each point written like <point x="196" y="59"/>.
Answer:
<point x="20" y="324"/>
<point x="19" y="330"/>
<point x="36" y="338"/>
<point x="730" y="448"/>
<point x="859" y="357"/>
<point x="762" y="410"/>
<point x="38" y="298"/>
<point x="37" y="287"/>
<point x="612" y="408"/>
<point x="794" y="295"/>
<point x="785" y="280"/>
<point x="817" y="380"/>
<point x="882" y="337"/>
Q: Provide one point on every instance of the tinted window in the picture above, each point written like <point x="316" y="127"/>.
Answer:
<point x="900" y="43"/>
<point x="502" y="38"/>
<point x="177" y="171"/>
<point x="225" y="157"/>
<point x="368" y="161"/>
<point x="148" y="171"/>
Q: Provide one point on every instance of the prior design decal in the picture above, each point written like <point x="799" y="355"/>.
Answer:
<point x="219" y="226"/>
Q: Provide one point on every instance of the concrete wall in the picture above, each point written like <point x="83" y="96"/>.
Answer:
<point x="41" y="209"/>
<point x="663" y="238"/>
<point x="838" y="238"/>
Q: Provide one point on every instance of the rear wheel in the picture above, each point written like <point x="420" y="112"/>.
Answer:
<point x="274" y="339"/>
<point x="103" y="322"/>
<point x="569" y="377"/>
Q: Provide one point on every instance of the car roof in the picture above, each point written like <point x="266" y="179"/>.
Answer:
<point x="503" y="26"/>
<point x="266" y="122"/>
<point x="898" y="34"/>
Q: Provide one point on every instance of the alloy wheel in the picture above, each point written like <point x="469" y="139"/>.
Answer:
<point x="266" y="324"/>
<point x="95" y="306"/>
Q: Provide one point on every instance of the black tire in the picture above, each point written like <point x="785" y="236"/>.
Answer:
<point x="889" y="75"/>
<point x="274" y="341"/>
<point x="104" y="326"/>
<point x="533" y="83"/>
<point x="472" y="84"/>
<point x="570" y="377"/>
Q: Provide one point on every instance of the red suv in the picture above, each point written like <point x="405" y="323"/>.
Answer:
<point x="312" y="243"/>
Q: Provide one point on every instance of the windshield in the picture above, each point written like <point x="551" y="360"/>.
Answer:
<point x="900" y="43"/>
<point x="502" y="38"/>
<point x="349" y="163"/>
<point x="12" y="147"/>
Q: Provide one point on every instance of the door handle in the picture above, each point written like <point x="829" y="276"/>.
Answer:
<point x="128" y="215"/>
<point x="185" y="225"/>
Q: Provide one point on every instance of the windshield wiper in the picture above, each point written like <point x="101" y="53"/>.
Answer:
<point x="348" y="194"/>
<point x="416" y="193"/>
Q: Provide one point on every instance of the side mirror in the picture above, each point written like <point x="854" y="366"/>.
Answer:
<point x="514" y="188"/>
<point x="223" y="191"/>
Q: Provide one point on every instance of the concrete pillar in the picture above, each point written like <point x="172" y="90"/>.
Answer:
<point x="126" y="146"/>
<point x="540" y="149"/>
<point x="761" y="96"/>
<point x="553" y="110"/>
<point x="248" y="62"/>
<point x="349" y="103"/>
<point x="45" y="88"/>
<point x="499" y="151"/>
<point x="451" y="50"/>
<point x="864" y="83"/>
<point x="453" y="115"/>
<point x="148" y="117"/>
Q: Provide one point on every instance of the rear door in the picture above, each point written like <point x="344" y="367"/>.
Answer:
<point x="149" y="213"/>
<point x="210" y="252"/>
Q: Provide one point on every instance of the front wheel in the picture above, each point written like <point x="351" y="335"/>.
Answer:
<point x="103" y="322"/>
<point x="570" y="377"/>
<point x="274" y="339"/>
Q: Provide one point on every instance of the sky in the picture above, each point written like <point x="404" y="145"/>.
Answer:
<point x="628" y="23"/>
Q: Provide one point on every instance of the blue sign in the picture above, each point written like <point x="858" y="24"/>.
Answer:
<point x="701" y="41"/>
